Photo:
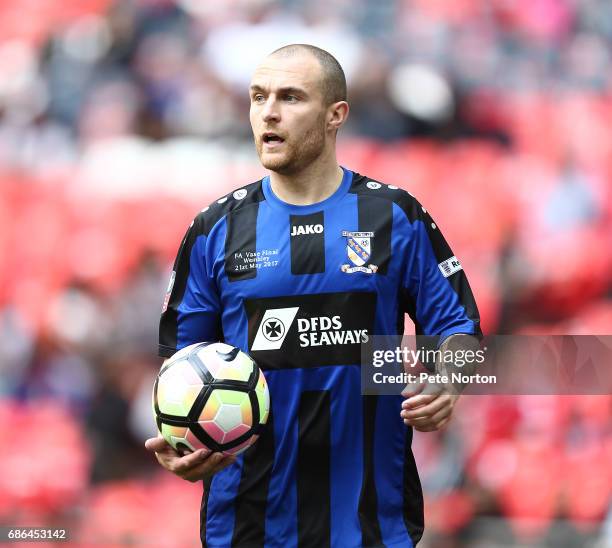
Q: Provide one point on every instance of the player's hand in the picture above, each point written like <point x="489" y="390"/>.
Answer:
<point x="196" y="466"/>
<point x="427" y="412"/>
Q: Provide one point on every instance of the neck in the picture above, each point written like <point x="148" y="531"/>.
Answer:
<point x="311" y="185"/>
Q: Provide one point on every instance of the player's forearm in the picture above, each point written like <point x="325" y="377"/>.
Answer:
<point x="457" y="360"/>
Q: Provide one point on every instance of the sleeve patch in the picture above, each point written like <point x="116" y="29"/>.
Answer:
<point x="169" y="291"/>
<point x="450" y="266"/>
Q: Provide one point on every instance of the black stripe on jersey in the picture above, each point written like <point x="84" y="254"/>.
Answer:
<point x="201" y="226"/>
<point x="231" y="203"/>
<point x="408" y="306"/>
<point x="413" y="494"/>
<point x="203" y="509"/>
<point x="251" y="501"/>
<point x="313" y="470"/>
<point x="240" y="243"/>
<point x="168" y="325"/>
<point x="307" y="243"/>
<point x="368" y="499"/>
<point x="376" y="215"/>
<point x="442" y="251"/>
<point x="240" y="208"/>
<point x="414" y="211"/>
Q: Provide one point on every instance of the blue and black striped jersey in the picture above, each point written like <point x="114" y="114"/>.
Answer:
<point x="300" y="288"/>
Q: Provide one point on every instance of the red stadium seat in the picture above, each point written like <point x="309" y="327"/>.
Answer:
<point x="161" y="512"/>
<point x="54" y="482"/>
<point x="587" y="496"/>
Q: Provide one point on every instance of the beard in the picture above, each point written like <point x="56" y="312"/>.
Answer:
<point x="297" y="153"/>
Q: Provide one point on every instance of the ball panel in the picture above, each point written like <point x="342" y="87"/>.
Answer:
<point x="235" y="433"/>
<point x="211" y="407"/>
<point x="231" y="397"/>
<point x="183" y="353"/>
<point x="213" y="430"/>
<point x="263" y="398"/>
<point x="176" y="435"/>
<point x="228" y="417"/>
<point x="239" y="369"/>
<point x="177" y="389"/>
<point x="194" y="441"/>
<point x="179" y="405"/>
<point x="209" y="357"/>
<point x="246" y="410"/>
<point x="173" y="431"/>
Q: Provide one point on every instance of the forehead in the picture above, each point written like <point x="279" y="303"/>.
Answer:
<point x="299" y="70"/>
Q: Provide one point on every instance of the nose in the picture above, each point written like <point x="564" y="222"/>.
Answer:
<point x="270" y="112"/>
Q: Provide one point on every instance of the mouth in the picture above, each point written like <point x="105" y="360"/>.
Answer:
<point x="271" y="140"/>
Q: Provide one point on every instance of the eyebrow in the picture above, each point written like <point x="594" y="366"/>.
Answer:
<point x="284" y="90"/>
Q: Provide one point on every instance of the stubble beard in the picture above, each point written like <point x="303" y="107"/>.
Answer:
<point x="297" y="155"/>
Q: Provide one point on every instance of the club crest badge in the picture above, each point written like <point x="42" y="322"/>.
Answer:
<point x="358" y="250"/>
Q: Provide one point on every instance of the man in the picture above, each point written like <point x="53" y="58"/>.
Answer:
<point x="299" y="269"/>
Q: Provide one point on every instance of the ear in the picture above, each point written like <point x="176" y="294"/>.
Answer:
<point x="337" y="113"/>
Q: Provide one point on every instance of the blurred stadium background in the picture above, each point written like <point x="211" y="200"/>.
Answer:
<point x="120" y="120"/>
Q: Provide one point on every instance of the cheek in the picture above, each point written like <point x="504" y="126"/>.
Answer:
<point x="308" y="124"/>
<point x="313" y="127"/>
<point x="253" y="117"/>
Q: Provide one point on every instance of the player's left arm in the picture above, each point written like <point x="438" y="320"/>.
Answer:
<point x="437" y="296"/>
<point x="429" y="407"/>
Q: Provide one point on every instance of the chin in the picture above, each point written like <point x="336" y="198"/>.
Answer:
<point x="279" y="164"/>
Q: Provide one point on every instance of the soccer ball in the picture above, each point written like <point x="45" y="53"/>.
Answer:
<point x="213" y="396"/>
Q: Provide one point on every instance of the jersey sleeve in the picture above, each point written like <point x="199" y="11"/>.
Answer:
<point x="435" y="290"/>
<point x="191" y="310"/>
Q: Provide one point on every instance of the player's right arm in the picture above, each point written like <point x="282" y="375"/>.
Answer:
<point x="438" y="298"/>
<point x="192" y="310"/>
<point x="191" y="314"/>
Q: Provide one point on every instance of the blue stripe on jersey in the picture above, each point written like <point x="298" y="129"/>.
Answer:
<point x="389" y="439"/>
<point x="438" y="309"/>
<point x="199" y="309"/>
<point x="344" y="385"/>
<point x="281" y="510"/>
<point x="220" y="511"/>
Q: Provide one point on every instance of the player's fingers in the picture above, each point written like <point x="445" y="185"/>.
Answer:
<point x="156" y="444"/>
<point x="191" y="460"/>
<point x="166" y="460"/>
<point x="431" y="423"/>
<point x="417" y="401"/>
<point x="430" y="426"/>
<point x="214" y="463"/>
<point x="425" y="410"/>
<point x="440" y="416"/>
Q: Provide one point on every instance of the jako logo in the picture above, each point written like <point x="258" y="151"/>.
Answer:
<point x="273" y="328"/>
<point x="299" y="230"/>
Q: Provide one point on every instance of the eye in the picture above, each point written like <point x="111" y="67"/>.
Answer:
<point x="291" y="98"/>
<point x="258" y="98"/>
